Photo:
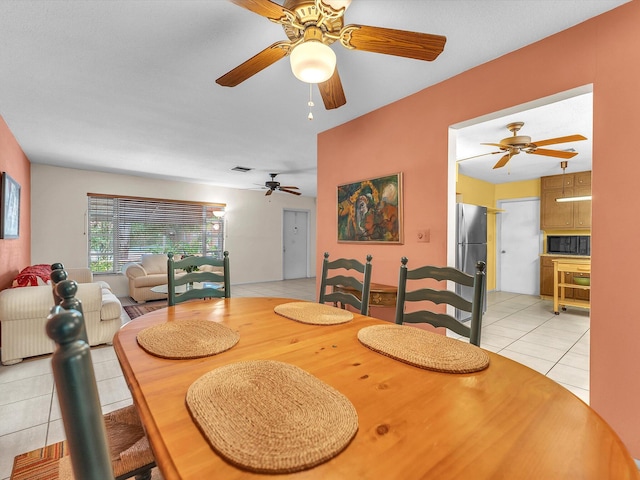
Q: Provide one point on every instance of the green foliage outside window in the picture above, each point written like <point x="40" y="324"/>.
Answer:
<point x="121" y="230"/>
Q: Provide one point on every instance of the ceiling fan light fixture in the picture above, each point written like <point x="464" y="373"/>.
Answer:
<point x="337" y="5"/>
<point x="313" y="62"/>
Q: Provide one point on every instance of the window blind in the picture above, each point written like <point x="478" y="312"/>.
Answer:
<point x="122" y="229"/>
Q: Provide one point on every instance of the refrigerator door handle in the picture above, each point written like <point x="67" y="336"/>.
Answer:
<point x="463" y="226"/>
<point x="465" y="251"/>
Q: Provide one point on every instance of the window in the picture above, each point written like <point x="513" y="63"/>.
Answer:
<point x="122" y="229"/>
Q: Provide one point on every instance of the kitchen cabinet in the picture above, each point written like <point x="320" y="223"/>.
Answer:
<point x="556" y="215"/>
<point x="582" y="209"/>
<point x="565" y="215"/>
<point x="546" y="280"/>
<point x="557" y="181"/>
<point x="582" y="179"/>
<point x="546" y="276"/>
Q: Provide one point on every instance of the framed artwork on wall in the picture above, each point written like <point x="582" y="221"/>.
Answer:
<point x="371" y="210"/>
<point x="9" y="208"/>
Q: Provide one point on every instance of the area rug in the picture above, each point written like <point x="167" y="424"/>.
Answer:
<point x="136" y="310"/>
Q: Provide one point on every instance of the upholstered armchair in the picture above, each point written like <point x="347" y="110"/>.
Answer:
<point x="150" y="272"/>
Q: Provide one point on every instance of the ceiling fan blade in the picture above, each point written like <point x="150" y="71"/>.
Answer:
<point x="476" y="156"/>
<point x="553" y="153"/>
<point x="402" y="43"/>
<point x="290" y="187"/>
<point x="266" y="8"/>
<point x="332" y="92"/>
<point x="282" y="189"/>
<point x="551" y="141"/>
<point x="255" y="64"/>
<point x="269" y="192"/>
<point x="499" y="145"/>
<point x="503" y="161"/>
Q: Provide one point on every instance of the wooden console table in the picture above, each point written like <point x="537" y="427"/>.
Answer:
<point x="380" y="295"/>
<point x="572" y="265"/>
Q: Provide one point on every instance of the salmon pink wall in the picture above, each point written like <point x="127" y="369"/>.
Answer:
<point x="411" y="136"/>
<point x="15" y="254"/>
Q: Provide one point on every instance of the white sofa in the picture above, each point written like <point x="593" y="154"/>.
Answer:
<point x="24" y="311"/>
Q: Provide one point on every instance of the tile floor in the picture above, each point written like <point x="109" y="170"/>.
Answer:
<point x="520" y="327"/>
<point x="525" y="329"/>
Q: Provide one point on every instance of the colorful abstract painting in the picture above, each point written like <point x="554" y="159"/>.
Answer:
<point x="371" y="210"/>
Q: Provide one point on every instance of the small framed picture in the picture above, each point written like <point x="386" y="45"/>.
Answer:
<point x="10" y="208"/>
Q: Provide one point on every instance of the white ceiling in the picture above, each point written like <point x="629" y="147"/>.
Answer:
<point x="127" y="86"/>
<point x="564" y="114"/>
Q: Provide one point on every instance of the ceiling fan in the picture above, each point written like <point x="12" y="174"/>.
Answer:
<point x="311" y="26"/>
<point x="522" y="143"/>
<point x="272" y="185"/>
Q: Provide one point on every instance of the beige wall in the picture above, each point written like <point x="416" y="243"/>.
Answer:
<point x="411" y="136"/>
<point x="253" y="221"/>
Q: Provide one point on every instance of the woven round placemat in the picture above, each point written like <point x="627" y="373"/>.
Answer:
<point x="313" y="313"/>
<point x="271" y="417"/>
<point x="424" y="349"/>
<point x="184" y="339"/>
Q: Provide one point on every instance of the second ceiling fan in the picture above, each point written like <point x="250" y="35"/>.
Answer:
<point x="522" y="143"/>
<point x="311" y="26"/>
<point x="273" y="185"/>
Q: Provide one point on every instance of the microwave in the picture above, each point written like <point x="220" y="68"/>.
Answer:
<point x="569" y="244"/>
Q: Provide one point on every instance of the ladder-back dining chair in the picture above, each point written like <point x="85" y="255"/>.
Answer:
<point x="69" y="301"/>
<point x="198" y="277"/>
<point x="441" y="295"/>
<point x="97" y="446"/>
<point x="346" y="288"/>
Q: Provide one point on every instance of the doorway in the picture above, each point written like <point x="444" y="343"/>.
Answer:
<point x="295" y="244"/>
<point x="519" y="246"/>
<point x="544" y="118"/>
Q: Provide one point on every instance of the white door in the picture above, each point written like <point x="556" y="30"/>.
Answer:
<point x="295" y="244"/>
<point x="519" y="248"/>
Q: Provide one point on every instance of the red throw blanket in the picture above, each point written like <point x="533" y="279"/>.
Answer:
<point x="28" y="277"/>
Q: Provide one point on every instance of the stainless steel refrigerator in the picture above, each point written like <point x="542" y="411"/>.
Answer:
<point x="471" y="247"/>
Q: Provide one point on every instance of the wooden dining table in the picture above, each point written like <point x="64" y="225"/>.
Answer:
<point x="505" y="422"/>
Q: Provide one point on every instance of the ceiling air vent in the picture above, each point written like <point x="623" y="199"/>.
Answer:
<point x="241" y="169"/>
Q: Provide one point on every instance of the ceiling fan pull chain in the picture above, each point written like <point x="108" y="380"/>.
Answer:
<point x="310" y="102"/>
